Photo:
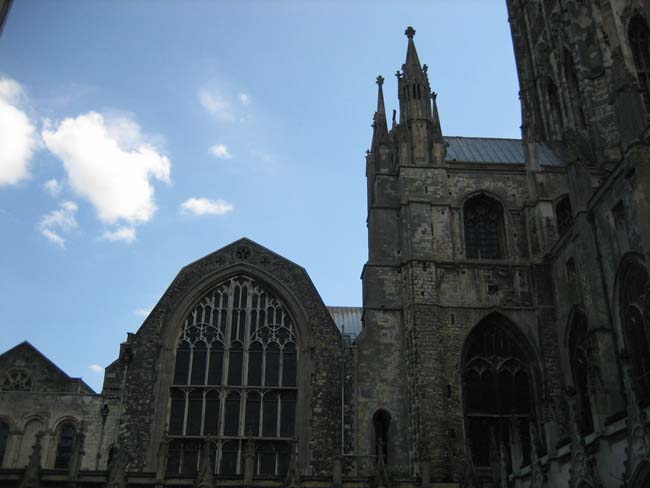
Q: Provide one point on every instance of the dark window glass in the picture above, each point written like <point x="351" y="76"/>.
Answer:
<point x="177" y="416"/>
<point x="253" y="405"/>
<point x="4" y="437"/>
<point x="199" y="357"/>
<point x="266" y="455"/>
<point x="229" y="458"/>
<point x="190" y="461"/>
<point x="564" y="215"/>
<point x="483" y="228"/>
<point x="211" y="425"/>
<point x="255" y="354"/>
<point x="215" y="370"/>
<point x="272" y="366"/>
<point x="289" y="365"/>
<point x="284" y="457"/>
<point x="270" y="422"/>
<point x="182" y="364"/>
<point x="231" y="417"/>
<point x="639" y="35"/>
<point x="194" y="412"/>
<point x="287" y="419"/>
<point x="557" y="122"/>
<point x="65" y="446"/>
<point x="235" y="364"/>
<point x="174" y="457"/>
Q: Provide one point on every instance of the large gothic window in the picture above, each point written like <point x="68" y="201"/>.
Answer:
<point x="579" y="354"/>
<point x="234" y="379"/>
<point x="639" y="36"/>
<point x="484" y="232"/>
<point x="65" y="445"/>
<point x="498" y="398"/>
<point x="635" y="317"/>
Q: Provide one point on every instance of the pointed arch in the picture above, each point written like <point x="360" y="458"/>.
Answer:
<point x="252" y="390"/>
<point x="632" y="300"/>
<point x="579" y="350"/>
<point x="500" y="376"/>
<point x="484" y="227"/>
<point x="381" y="424"/>
<point x="563" y="214"/>
<point x="638" y="34"/>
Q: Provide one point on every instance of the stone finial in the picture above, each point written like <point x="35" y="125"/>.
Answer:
<point x="380" y="80"/>
<point x="425" y="68"/>
<point x="32" y="476"/>
<point x="398" y="74"/>
<point x="410" y="32"/>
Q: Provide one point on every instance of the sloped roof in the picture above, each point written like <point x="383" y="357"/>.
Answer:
<point x="499" y="151"/>
<point x="55" y="375"/>
<point x="347" y="319"/>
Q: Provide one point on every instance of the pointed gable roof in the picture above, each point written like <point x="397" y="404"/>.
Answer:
<point x="47" y="376"/>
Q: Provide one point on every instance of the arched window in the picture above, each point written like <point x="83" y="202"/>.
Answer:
<point x="4" y="439"/>
<point x="484" y="229"/>
<point x="553" y="95"/>
<point x="575" y="98"/>
<point x="235" y="378"/>
<point x="639" y="36"/>
<point x="579" y="354"/>
<point x="498" y="396"/>
<point x="381" y="422"/>
<point x="563" y="214"/>
<point x="65" y="445"/>
<point x="635" y="317"/>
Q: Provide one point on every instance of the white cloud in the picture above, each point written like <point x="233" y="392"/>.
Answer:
<point x="245" y="98"/>
<point x="59" y="222"/>
<point x="109" y="163"/>
<point x="221" y="151"/>
<point x="203" y="206"/>
<point x="142" y="312"/>
<point x="17" y="135"/>
<point x="96" y="368"/>
<point x="124" y="234"/>
<point x="217" y="104"/>
<point x="53" y="187"/>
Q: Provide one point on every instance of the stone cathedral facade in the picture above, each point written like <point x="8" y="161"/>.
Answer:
<point x="504" y="338"/>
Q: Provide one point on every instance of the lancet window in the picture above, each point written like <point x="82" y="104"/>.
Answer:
<point x="235" y="379"/>
<point x="563" y="214"/>
<point x="579" y="354"/>
<point x="484" y="229"/>
<point x="639" y="36"/>
<point x="635" y="317"/>
<point x="65" y="445"/>
<point x="498" y="378"/>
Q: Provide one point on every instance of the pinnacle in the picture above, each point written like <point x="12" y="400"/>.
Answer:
<point x="409" y="32"/>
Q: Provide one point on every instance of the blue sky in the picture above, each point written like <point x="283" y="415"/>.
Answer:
<point x="136" y="137"/>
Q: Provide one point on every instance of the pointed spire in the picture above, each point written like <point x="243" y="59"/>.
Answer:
<point x="32" y="476"/>
<point x="379" y="123"/>
<point x="412" y="60"/>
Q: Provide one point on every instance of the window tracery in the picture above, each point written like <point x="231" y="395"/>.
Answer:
<point x="234" y="379"/>
<point x="639" y="36"/>
<point x="635" y="317"/>
<point x="18" y="380"/>
<point x="579" y="354"/>
<point x="498" y="377"/>
<point x="65" y="445"/>
<point x="484" y="233"/>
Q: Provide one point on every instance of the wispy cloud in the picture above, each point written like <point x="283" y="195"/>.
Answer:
<point x="121" y="234"/>
<point x="96" y="368"/>
<point x="204" y="206"/>
<point x="58" y="222"/>
<point x="221" y="151"/>
<point x="18" y="136"/>
<point x="53" y="187"/>
<point x="109" y="163"/>
<point x="224" y="103"/>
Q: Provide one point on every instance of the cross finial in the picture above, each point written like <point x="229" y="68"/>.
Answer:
<point x="380" y="80"/>
<point x="410" y="32"/>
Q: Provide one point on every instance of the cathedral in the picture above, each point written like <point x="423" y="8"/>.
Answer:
<point x="504" y="338"/>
